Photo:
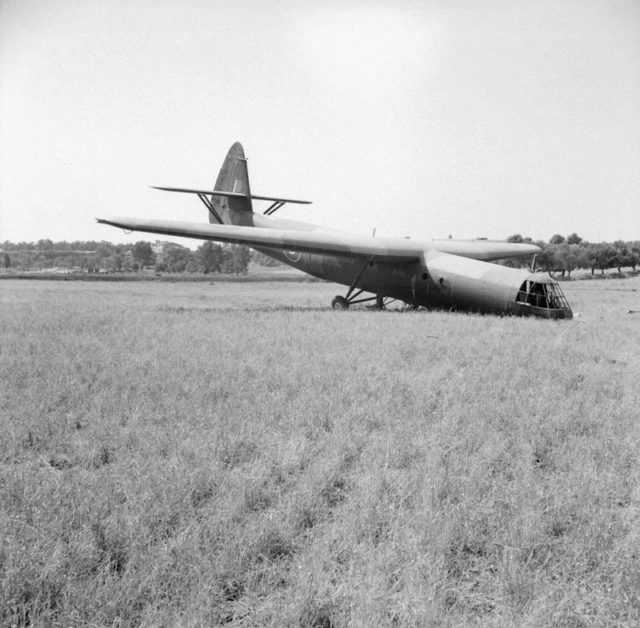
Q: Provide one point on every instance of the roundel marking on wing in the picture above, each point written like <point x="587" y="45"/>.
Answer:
<point x="293" y="256"/>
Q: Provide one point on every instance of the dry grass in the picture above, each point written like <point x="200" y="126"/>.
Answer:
<point x="243" y="455"/>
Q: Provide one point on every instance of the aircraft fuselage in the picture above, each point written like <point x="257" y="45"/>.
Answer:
<point x="448" y="282"/>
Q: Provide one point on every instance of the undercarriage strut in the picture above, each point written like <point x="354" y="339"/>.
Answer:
<point x="353" y="295"/>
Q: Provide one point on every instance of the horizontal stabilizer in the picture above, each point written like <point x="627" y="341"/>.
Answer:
<point x="231" y="195"/>
<point x="322" y="242"/>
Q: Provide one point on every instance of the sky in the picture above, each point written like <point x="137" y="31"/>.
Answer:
<point x="469" y="118"/>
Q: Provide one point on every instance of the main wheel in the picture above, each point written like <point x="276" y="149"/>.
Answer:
<point x="339" y="303"/>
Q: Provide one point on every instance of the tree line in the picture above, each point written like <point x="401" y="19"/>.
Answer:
<point x="563" y="254"/>
<point x="560" y="255"/>
<point x="93" y="257"/>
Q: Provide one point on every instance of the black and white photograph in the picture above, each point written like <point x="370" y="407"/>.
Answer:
<point x="319" y="314"/>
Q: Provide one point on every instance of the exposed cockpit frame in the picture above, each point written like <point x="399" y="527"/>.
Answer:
<point x="542" y="296"/>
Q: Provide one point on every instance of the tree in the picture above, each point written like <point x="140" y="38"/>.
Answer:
<point x="105" y="249"/>
<point x="635" y="253"/>
<point x="45" y="245"/>
<point x="235" y="259"/>
<point x="227" y="260"/>
<point x="143" y="254"/>
<point x="209" y="257"/>
<point x="567" y="257"/>
<point x="241" y="258"/>
<point x="586" y="257"/>
<point x="118" y="261"/>
<point x="574" y="238"/>
<point x="546" y="259"/>
<point x="7" y="260"/>
<point x="556" y="239"/>
<point x="625" y="257"/>
<point x="192" y="265"/>
<point x="604" y="256"/>
<point x="177" y="258"/>
<point x="91" y="263"/>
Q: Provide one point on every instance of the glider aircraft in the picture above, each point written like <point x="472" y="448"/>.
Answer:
<point x="452" y="274"/>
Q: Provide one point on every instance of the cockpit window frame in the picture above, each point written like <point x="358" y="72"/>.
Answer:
<point x="542" y="294"/>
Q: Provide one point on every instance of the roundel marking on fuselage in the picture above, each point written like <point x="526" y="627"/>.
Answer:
<point x="293" y="256"/>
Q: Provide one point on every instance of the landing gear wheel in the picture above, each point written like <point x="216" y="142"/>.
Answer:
<point x="339" y="303"/>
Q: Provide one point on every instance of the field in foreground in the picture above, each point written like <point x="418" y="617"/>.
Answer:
<point x="240" y="454"/>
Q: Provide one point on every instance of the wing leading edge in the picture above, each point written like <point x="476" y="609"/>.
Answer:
<point x="378" y="249"/>
<point x="386" y="250"/>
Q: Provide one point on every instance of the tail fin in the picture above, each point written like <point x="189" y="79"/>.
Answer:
<point x="233" y="177"/>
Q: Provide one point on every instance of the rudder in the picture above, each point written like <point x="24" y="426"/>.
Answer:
<point x="233" y="177"/>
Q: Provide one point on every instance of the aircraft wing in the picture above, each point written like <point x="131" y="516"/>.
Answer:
<point x="484" y="250"/>
<point x="379" y="249"/>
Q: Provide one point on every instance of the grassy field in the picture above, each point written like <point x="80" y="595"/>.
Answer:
<point x="240" y="454"/>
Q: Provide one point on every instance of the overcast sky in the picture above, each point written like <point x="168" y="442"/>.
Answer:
<point x="427" y="118"/>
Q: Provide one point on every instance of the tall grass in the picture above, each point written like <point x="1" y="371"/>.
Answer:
<point x="241" y="454"/>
